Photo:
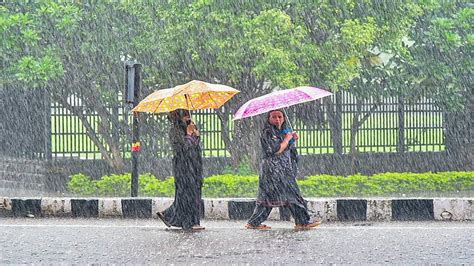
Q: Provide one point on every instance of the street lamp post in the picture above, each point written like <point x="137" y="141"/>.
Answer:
<point x="132" y="96"/>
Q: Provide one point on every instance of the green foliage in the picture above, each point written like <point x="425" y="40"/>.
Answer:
<point x="114" y="185"/>
<point x="244" y="169"/>
<point x="246" y="186"/>
<point x="37" y="71"/>
<point x="119" y="186"/>
<point x="153" y="187"/>
<point x="441" y="61"/>
<point x="81" y="184"/>
<point x="386" y="184"/>
<point x="78" y="49"/>
<point x="230" y="186"/>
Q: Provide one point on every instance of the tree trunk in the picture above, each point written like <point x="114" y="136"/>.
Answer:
<point x="459" y="135"/>
<point x="106" y="130"/>
<point x="244" y="144"/>
<point x="334" y="112"/>
<point x="224" y="117"/>
<point x="115" y="159"/>
<point x="357" y="122"/>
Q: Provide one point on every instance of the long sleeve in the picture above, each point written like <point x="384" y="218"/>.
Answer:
<point x="294" y="152"/>
<point x="270" y="142"/>
<point x="181" y="141"/>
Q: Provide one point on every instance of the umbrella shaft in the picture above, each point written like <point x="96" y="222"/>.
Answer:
<point x="287" y="119"/>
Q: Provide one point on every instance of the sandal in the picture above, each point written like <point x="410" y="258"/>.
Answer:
<point x="258" y="227"/>
<point x="308" y="225"/>
<point x="162" y="217"/>
<point x="197" y="227"/>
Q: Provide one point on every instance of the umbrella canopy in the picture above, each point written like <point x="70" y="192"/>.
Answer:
<point x="278" y="100"/>
<point x="194" y="95"/>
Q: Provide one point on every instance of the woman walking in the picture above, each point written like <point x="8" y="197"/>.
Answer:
<point x="277" y="181"/>
<point x="187" y="169"/>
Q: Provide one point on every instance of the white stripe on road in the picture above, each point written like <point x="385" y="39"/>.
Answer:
<point x="220" y="227"/>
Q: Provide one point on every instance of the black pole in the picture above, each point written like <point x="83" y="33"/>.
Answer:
<point x="339" y="138"/>
<point x="401" y="125"/>
<point x="47" y="125"/>
<point x="132" y="96"/>
<point x="136" y="131"/>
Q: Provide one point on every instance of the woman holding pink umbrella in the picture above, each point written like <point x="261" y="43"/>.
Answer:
<point x="277" y="181"/>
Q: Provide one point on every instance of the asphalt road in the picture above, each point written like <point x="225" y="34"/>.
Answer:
<point x="120" y="241"/>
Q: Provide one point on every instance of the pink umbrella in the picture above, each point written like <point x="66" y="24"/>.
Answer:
<point x="278" y="100"/>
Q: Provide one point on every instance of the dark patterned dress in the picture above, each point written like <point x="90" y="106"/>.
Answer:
<point x="277" y="181"/>
<point x="187" y="169"/>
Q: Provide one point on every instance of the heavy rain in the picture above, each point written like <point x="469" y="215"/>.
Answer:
<point x="237" y="132"/>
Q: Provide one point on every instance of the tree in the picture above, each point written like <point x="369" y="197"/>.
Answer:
<point x="254" y="48"/>
<point x="442" y="64"/>
<point x="346" y="34"/>
<point x="77" y="50"/>
<point x="72" y="50"/>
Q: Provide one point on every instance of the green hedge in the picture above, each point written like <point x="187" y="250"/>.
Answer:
<point x="313" y="186"/>
<point x="119" y="185"/>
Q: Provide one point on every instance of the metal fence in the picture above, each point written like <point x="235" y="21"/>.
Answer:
<point x="394" y="126"/>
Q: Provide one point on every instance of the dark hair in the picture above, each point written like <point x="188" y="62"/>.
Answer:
<point x="182" y="112"/>
<point x="276" y="110"/>
<point x="283" y="126"/>
<point x="177" y="115"/>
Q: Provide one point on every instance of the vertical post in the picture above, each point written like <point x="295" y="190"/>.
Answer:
<point x="47" y="125"/>
<point x="132" y="95"/>
<point x="136" y="131"/>
<point x="401" y="125"/>
<point x="339" y="138"/>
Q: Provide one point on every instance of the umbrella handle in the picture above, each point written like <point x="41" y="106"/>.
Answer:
<point x="287" y="119"/>
<point x="187" y="103"/>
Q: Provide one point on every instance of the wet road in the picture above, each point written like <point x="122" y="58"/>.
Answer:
<point x="148" y="241"/>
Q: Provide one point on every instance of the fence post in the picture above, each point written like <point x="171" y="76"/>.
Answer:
<point x="338" y="139"/>
<point x="401" y="125"/>
<point x="47" y="125"/>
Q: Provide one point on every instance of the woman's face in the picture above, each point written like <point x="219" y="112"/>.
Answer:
<point x="186" y="118"/>
<point x="276" y="118"/>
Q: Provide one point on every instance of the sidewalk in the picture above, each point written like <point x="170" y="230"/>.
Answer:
<point x="325" y="209"/>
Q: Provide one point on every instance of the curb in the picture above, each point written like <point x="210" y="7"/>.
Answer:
<point x="371" y="209"/>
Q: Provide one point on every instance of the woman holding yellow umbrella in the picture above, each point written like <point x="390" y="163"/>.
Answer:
<point x="185" y="141"/>
<point x="187" y="170"/>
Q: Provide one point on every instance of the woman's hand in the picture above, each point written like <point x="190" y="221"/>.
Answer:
<point x="285" y="143"/>
<point x="196" y="131"/>
<point x="192" y="130"/>
<point x="295" y="135"/>
<point x="288" y="137"/>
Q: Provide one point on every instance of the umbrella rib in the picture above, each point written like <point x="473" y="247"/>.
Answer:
<point x="210" y="96"/>
<point x="157" y="106"/>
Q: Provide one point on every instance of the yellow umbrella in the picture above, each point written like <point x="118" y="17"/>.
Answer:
<point x="194" y="95"/>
